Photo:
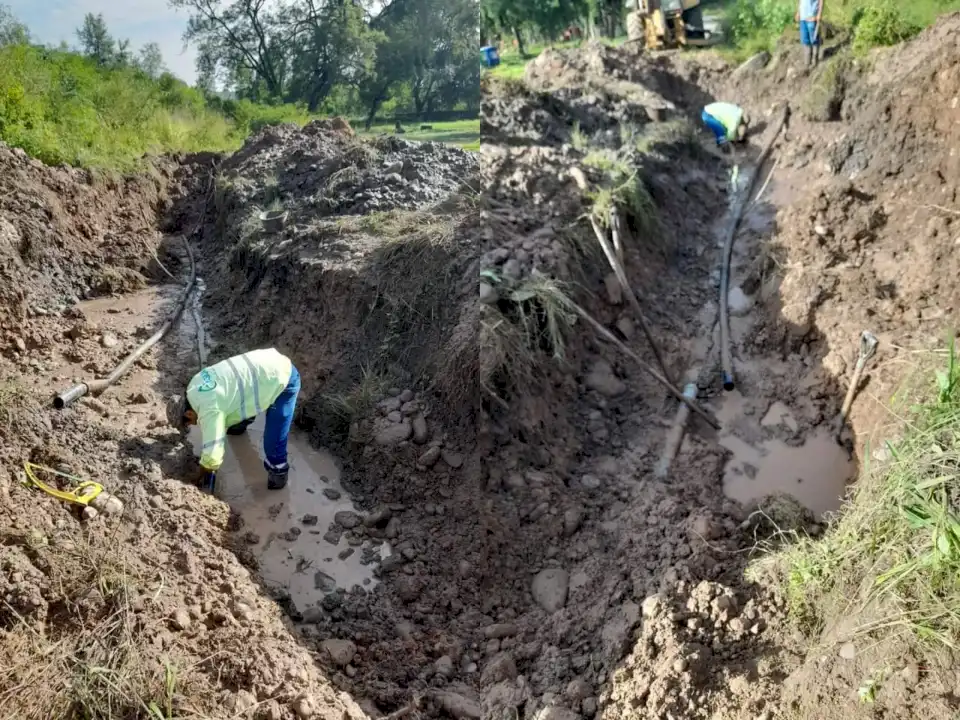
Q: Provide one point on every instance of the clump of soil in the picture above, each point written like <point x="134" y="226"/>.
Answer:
<point x="68" y="234"/>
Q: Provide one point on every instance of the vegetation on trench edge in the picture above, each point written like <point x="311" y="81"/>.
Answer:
<point x="755" y="25"/>
<point x="891" y="556"/>
<point x="100" y="669"/>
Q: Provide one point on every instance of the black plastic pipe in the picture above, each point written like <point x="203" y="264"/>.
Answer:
<point x="95" y="387"/>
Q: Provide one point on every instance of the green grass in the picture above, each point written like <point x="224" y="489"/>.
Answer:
<point x="891" y="559"/>
<point x="463" y="133"/>
<point x="60" y="108"/>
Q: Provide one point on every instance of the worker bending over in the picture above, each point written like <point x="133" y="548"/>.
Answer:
<point x="224" y="399"/>
<point x="727" y="121"/>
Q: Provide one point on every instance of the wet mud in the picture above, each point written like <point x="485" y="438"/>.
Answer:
<point x="287" y="530"/>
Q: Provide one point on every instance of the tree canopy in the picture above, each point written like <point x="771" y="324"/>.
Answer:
<point x="417" y="54"/>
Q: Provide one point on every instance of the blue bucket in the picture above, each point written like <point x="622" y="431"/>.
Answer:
<point x="491" y="57"/>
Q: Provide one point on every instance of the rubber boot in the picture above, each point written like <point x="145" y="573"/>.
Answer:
<point x="816" y="55"/>
<point x="808" y="55"/>
<point x="277" y="479"/>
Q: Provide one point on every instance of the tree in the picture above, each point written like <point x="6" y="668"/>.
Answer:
<point x="244" y="36"/>
<point x="12" y="31"/>
<point x="123" y="55"/>
<point x="95" y="39"/>
<point x="334" y="46"/>
<point x="150" y="60"/>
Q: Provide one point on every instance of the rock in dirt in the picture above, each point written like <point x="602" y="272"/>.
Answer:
<point x="550" y="588"/>
<point x="340" y="651"/>
<point x="323" y="582"/>
<point x="430" y="457"/>
<point x="848" y="651"/>
<point x="602" y="380"/>
<point x="752" y="64"/>
<point x="651" y="606"/>
<point x="309" y="519"/>
<point x="488" y="294"/>
<point x="109" y="340"/>
<point x="347" y="519"/>
<point x="738" y="302"/>
<point x="578" y="690"/>
<point x="181" y="619"/>
<point x="572" y="520"/>
<point x="501" y="667"/>
<point x="444" y="666"/>
<point x="500" y="631"/>
<point x="306" y="707"/>
<point x="460" y="706"/>
<point x="242" y="703"/>
<point x="394" y="433"/>
<point x="421" y="433"/>
<point x="332" y="494"/>
<point x="555" y="712"/>
<point x="380" y="516"/>
<point x="453" y="459"/>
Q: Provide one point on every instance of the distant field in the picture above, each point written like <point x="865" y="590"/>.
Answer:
<point x="464" y="133"/>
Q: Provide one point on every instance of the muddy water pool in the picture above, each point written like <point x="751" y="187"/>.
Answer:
<point x="286" y="527"/>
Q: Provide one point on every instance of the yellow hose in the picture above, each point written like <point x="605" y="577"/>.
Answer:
<point x="82" y="493"/>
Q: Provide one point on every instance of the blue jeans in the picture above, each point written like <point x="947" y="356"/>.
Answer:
<point x="716" y="126"/>
<point x="279" y="420"/>
<point x="808" y="33"/>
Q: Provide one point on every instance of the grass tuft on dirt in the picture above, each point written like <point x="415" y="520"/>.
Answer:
<point x="89" y="663"/>
<point x="621" y="188"/>
<point x="892" y="556"/>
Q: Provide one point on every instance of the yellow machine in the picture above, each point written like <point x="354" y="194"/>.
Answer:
<point x="662" y="24"/>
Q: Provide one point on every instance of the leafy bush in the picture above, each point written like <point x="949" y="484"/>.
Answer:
<point x="756" y="24"/>
<point x="880" y="24"/>
<point x="61" y="108"/>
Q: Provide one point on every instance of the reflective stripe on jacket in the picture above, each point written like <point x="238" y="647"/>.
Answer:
<point x="233" y="390"/>
<point x="729" y="116"/>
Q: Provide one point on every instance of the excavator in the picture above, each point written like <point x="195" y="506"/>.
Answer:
<point x="663" y="24"/>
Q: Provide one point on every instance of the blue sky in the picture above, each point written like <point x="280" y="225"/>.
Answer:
<point x="140" y="21"/>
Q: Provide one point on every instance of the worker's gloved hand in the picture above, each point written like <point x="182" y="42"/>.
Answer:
<point x="202" y="478"/>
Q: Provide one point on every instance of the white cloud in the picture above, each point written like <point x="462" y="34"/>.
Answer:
<point x="140" y="21"/>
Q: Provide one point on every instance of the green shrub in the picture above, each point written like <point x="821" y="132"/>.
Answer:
<point x="757" y="24"/>
<point x="879" y="24"/>
<point x="61" y="108"/>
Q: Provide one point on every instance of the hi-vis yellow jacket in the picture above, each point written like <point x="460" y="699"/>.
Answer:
<point x="233" y="390"/>
<point x="729" y="116"/>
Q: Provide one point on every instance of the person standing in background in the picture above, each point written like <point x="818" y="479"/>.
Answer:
<point x="809" y="15"/>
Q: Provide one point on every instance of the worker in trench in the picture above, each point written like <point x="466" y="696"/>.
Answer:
<point x="226" y="398"/>
<point x="728" y="122"/>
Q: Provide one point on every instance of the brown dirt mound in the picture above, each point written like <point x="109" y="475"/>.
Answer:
<point x="67" y="234"/>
